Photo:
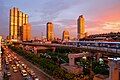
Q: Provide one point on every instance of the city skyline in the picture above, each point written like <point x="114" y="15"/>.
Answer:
<point x="101" y="18"/>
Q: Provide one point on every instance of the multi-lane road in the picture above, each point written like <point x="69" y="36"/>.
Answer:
<point x="17" y="68"/>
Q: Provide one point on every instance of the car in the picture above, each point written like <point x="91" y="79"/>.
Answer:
<point x="35" y="78"/>
<point x="8" y="73"/>
<point x="10" y="60"/>
<point x="28" y="69"/>
<point x="24" y="73"/>
<point x="17" y="59"/>
<point x="18" y="64"/>
<point x="14" y="69"/>
<point x="13" y="66"/>
<point x="23" y="64"/>
<point x="7" y="62"/>
<point x="28" y="78"/>
<point x="32" y="73"/>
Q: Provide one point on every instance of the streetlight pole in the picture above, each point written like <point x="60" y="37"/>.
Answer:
<point x="1" y="75"/>
<point x="0" y="53"/>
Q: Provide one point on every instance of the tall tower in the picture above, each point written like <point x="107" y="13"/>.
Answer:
<point x="50" y="32"/>
<point x="81" y="27"/>
<point x="17" y="20"/>
<point x="13" y="29"/>
<point x="65" y="36"/>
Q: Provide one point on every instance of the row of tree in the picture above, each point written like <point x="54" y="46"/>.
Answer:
<point x="50" y="63"/>
<point x="45" y="63"/>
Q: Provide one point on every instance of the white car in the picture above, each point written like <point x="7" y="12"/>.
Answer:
<point x="8" y="73"/>
<point x="23" y="72"/>
<point x="14" y="69"/>
<point x="36" y="78"/>
<point x="32" y="73"/>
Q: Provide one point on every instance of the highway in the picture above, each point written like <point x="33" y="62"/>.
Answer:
<point x="13" y="76"/>
<point x="13" y="59"/>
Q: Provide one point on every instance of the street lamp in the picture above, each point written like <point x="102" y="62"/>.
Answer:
<point x="1" y="74"/>
<point x="0" y="52"/>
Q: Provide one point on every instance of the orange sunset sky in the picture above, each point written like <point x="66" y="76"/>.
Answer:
<point x="101" y="16"/>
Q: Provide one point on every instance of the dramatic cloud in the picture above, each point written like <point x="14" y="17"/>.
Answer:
<point x="101" y="16"/>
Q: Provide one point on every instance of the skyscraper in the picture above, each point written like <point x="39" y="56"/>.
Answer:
<point x="13" y="23"/>
<point x="81" y="27"/>
<point x="17" y="20"/>
<point x="65" y="36"/>
<point x="26" y="32"/>
<point x="50" y="32"/>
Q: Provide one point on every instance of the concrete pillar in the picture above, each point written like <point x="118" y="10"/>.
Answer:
<point x="71" y="61"/>
<point x="98" y="56"/>
<point x="114" y="70"/>
<point x="27" y="47"/>
<point x="35" y="49"/>
<point x="53" y="49"/>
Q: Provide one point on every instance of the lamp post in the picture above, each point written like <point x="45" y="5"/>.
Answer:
<point x="1" y="74"/>
<point x="0" y="53"/>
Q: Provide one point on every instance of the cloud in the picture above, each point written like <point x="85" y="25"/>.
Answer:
<point x="40" y="23"/>
<point x="112" y="26"/>
<point x="101" y="16"/>
<point x="105" y="27"/>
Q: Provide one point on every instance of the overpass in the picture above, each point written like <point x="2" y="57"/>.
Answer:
<point x="89" y="48"/>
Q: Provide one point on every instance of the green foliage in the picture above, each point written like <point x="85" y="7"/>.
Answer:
<point x="63" y="50"/>
<point x="61" y="56"/>
<point x="49" y="65"/>
<point x="100" y="68"/>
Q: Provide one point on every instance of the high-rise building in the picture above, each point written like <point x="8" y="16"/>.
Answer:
<point x="17" y="20"/>
<point x="81" y="27"/>
<point x="65" y="36"/>
<point x="26" y="32"/>
<point x="50" y="33"/>
<point x="13" y="23"/>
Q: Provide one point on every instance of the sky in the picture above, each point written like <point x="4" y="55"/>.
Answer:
<point x="101" y="16"/>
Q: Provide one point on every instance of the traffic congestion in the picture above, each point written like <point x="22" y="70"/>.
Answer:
<point x="16" y="69"/>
